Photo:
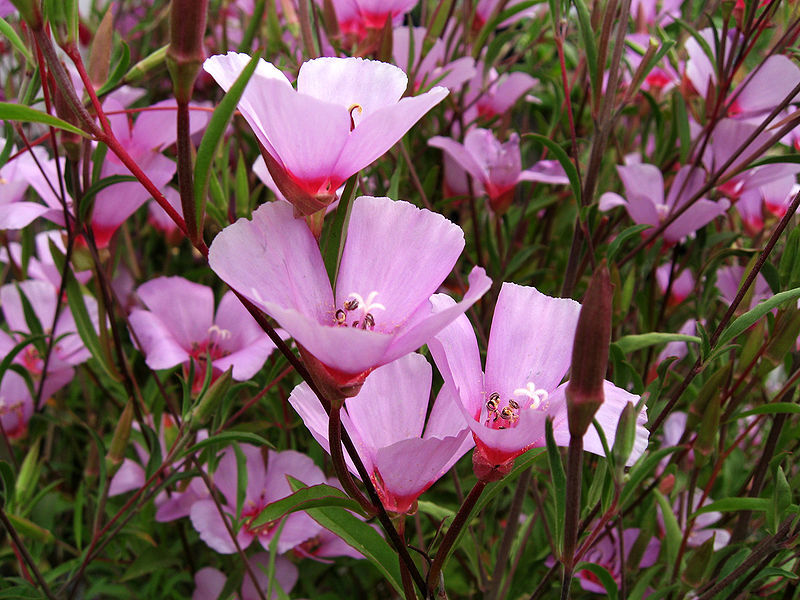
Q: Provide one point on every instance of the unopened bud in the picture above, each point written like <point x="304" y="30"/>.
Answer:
<point x="30" y="11"/>
<point x="590" y="353"/>
<point x="28" y="476"/>
<point x="625" y="436"/>
<point x="100" y="54"/>
<point x="185" y="54"/>
<point x="119" y="443"/>
<point x="209" y="401"/>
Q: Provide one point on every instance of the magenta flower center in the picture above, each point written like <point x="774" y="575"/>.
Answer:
<point x="211" y="348"/>
<point x="358" y="312"/>
<point x="499" y="414"/>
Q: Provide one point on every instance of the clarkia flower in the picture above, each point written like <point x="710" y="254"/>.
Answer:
<point x="432" y="68"/>
<point x="395" y="257"/>
<point x="530" y="348"/>
<point x="345" y="113"/>
<point x="495" y="166"/>
<point x="209" y="582"/>
<point x="730" y="279"/>
<point x="179" y="325"/>
<point x="493" y="94"/>
<point x="646" y="205"/>
<point x="16" y="176"/>
<point x="606" y="553"/>
<point x="266" y="482"/>
<point x="16" y="404"/>
<point x="386" y="422"/>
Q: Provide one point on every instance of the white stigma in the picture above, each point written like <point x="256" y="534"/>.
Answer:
<point x="538" y="396"/>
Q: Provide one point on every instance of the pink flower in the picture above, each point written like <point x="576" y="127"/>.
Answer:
<point x="42" y="266"/>
<point x="266" y="482"/>
<point x="433" y="67"/>
<point x="702" y="529"/>
<point x="209" y="582"/>
<point x="730" y="279"/>
<point x="68" y="348"/>
<point x="395" y="257"/>
<point x="386" y="422"/>
<point x="16" y="176"/>
<point x="345" y="113"/>
<point x="493" y="94"/>
<point x="16" y="403"/>
<point x="682" y="284"/>
<point x="152" y="131"/>
<point x="606" y="553"/>
<point x="179" y="325"/>
<point x="495" y="166"/>
<point x="645" y="203"/>
<point x="530" y="348"/>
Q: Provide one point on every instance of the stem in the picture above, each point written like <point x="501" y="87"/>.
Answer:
<point x="450" y="537"/>
<point x="26" y="555"/>
<point x="339" y="464"/>
<point x="185" y="185"/>
<point x="573" y="509"/>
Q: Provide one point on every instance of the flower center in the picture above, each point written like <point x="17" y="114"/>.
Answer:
<point x="358" y="312"/>
<point x="497" y="415"/>
<point x="211" y="347"/>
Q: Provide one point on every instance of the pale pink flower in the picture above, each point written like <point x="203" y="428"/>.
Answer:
<point x="209" y="582"/>
<point x="492" y="94"/>
<point x="386" y="422"/>
<point x="606" y="553"/>
<point x="434" y="67"/>
<point x="682" y="284"/>
<point x="345" y="113"/>
<point x="496" y="167"/>
<point x="730" y="278"/>
<point x="16" y="176"/>
<point x="16" y="404"/>
<point x="646" y="205"/>
<point x="179" y="325"/>
<point x="529" y="353"/>
<point x="395" y="257"/>
<point x="266" y="483"/>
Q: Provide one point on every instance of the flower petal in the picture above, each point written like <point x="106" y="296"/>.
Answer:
<point x="208" y="523"/>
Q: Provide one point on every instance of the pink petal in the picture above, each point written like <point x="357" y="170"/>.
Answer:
<point x="382" y="129"/>
<point x="242" y="337"/>
<point x="129" y="477"/>
<point x="387" y="241"/>
<point x="370" y="84"/>
<point x="766" y="87"/>
<point x="380" y="423"/>
<point x="700" y="214"/>
<point x="292" y="463"/>
<point x="185" y="308"/>
<point x="226" y="476"/>
<point x="208" y="584"/>
<point x="611" y="200"/>
<point x="208" y="523"/>
<point x="546" y="171"/>
<point x="461" y="156"/>
<point x="161" y="349"/>
<point x="20" y="214"/>
<point x="530" y="341"/>
<point x="285" y="575"/>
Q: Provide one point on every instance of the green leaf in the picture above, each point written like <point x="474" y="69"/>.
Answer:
<point x="673" y="534"/>
<point x="361" y="536"/>
<point x="615" y="246"/>
<point x="335" y="237"/>
<point x="749" y="318"/>
<point x="316" y="496"/>
<point x="769" y="409"/>
<point x="559" y="478"/>
<point x="781" y="499"/>
<point x="6" y="481"/>
<point x="15" y="40"/>
<point x="642" y="469"/>
<point x="734" y="505"/>
<point x="147" y="562"/>
<point x="631" y="343"/>
<point x="228" y="437"/>
<point x="563" y="159"/>
<point x="589" y="46"/>
<point x="606" y="579"/>
<point x="19" y="112"/>
<point x="214" y="133"/>
<point x="437" y="512"/>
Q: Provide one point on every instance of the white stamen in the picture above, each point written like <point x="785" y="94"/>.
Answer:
<point x="223" y="334"/>
<point x="538" y="396"/>
<point x="368" y="305"/>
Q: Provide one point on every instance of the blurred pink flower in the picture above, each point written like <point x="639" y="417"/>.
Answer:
<point x="530" y="348"/>
<point x="179" y="325"/>
<point x="386" y="421"/>
<point x="606" y="553"/>
<point x="491" y="94"/>
<point x="496" y="166"/>
<point x="432" y="68"/>
<point x="16" y="403"/>
<point x="730" y="278"/>
<point x="16" y="176"/>
<point x="682" y="284"/>
<point x="395" y="257"/>
<point x="345" y="113"/>
<point x="645" y="203"/>
<point x="209" y="582"/>
<point x="266" y="482"/>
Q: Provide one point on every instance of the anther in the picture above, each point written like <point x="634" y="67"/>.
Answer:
<point x="351" y="304"/>
<point x="340" y="317"/>
<point x="369" y="321"/>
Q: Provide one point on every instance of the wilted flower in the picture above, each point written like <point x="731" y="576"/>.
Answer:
<point x="386" y="421"/>
<point x="345" y="113"/>
<point x="395" y="257"/>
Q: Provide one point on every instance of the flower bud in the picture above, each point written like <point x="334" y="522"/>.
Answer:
<point x="209" y="401"/>
<point x="590" y="353"/>
<point x="119" y="443"/>
<point x="62" y="15"/>
<point x="186" y="53"/>
<point x="625" y="436"/>
<point x="28" y="477"/>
